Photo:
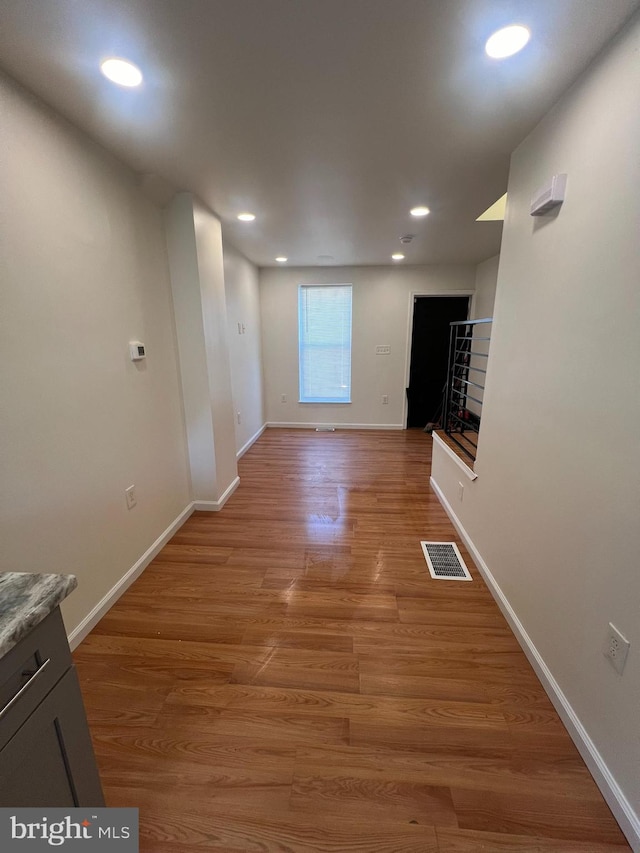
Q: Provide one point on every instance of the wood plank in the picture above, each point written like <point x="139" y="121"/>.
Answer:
<point x="171" y="670"/>
<point x="431" y="767"/>
<point x="421" y="615"/>
<point x="265" y="727"/>
<point x="469" y="841"/>
<point x="365" y="797"/>
<point x="567" y="818"/>
<point x="384" y="683"/>
<point x="208" y="826"/>
<point x="340" y="704"/>
<point x="164" y="746"/>
<point x="310" y="640"/>
<point x="444" y="740"/>
<point x="179" y="625"/>
<point x="508" y="667"/>
<point x="300" y="668"/>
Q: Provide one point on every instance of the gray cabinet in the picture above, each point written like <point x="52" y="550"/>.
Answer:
<point x="46" y="756"/>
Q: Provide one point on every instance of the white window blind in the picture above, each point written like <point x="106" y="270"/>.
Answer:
<point x="324" y="343"/>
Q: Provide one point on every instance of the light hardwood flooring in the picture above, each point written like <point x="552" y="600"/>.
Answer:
<point x="285" y="676"/>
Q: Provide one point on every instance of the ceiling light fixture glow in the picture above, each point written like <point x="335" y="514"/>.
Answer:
<point x="419" y="211"/>
<point x="507" y="41"/>
<point x="246" y="217"/>
<point x="281" y="259"/>
<point x="397" y="257"/>
<point x="122" y="72"/>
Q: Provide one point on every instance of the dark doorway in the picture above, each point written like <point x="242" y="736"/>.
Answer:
<point x="430" y="354"/>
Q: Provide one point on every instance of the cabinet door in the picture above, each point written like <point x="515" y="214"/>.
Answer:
<point x="50" y="761"/>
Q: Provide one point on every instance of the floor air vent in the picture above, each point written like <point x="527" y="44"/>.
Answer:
<point x="445" y="561"/>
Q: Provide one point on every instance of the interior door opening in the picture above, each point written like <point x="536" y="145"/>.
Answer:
<point x="430" y="355"/>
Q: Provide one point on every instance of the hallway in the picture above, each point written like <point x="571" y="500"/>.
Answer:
<point x="285" y="676"/>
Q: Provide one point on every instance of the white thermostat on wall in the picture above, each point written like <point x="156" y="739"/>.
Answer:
<point x="137" y="350"/>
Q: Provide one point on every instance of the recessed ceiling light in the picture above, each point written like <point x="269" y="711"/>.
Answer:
<point x="121" y="72"/>
<point x="246" y="217"/>
<point x="397" y="257"/>
<point x="419" y="211"/>
<point x="281" y="259"/>
<point x="507" y="41"/>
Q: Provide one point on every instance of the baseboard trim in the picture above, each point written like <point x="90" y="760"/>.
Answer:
<point x="216" y="506"/>
<point x="251" y="441"/>
<point x="106" y="602"/>
<point x="622" y="810"/>
<point x="297" y="425"/>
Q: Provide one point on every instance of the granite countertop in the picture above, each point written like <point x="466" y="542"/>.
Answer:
<point x="26" y="600"/>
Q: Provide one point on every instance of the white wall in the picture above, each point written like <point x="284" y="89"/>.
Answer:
<point x="245" y="344"/>
<point x="83" y="272"/>
<point x="208" y="231"/>
<point x="194" y="241"/>
<point x="482" y="306"/>
<point x="554" y="511"/>
<point x="192" y="349"/>
<point x="485" y="288"/>
<point x="382" y="301"/>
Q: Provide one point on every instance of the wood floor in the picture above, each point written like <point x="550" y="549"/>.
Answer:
<point x="286" y="676"/>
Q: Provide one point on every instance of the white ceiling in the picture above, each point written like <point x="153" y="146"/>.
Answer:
<point x="328" y="119"/>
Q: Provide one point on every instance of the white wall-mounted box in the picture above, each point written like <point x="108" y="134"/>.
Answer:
<point x="137" y="350"/>
<point x="549" y="196"/>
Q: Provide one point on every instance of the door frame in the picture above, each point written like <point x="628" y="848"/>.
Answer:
<point x="407" y="362"/>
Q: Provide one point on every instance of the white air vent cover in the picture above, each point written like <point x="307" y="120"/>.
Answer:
<point x="549" y="196"/>
<point x="445" y="561"/>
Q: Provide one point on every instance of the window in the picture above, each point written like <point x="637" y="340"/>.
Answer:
<point x="324" y="343"/>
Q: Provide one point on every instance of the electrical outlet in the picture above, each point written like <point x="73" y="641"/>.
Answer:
<point x="385" y="399"/>
<point x="130" y="495"/>
<point x="461" y="491"/>
<point x="616" y="648"/>
<point x="383" y="350"/>
<point x="283" y="398"/>
<point x="239" y="417"/>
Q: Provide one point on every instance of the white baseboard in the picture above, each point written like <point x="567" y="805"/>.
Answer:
<point x="611" y="791"/>
<point x="297" y="425"/>
<point x="216" y="506"/>
<point x="251" y="441"/>
<point x="106" y="603"/>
